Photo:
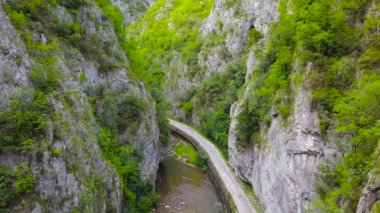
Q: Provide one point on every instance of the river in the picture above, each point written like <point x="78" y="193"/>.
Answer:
<point x="186" y="189"/>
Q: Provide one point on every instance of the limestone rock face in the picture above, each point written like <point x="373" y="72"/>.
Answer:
<point x="241" y="16"/>
<point x="14" y="63"/>
<point x="283" y="169"/>
<point x="64" y="178"/>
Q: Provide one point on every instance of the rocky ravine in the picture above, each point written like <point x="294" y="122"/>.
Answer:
<point x="282" y="171"/>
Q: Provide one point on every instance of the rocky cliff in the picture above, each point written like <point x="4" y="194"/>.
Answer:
<point x="70" y="56"/>
<point x="281" y="161"/>
<point x="283" y="170"/>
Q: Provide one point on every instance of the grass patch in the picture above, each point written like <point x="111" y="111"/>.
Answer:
<point x="189" y="153"/>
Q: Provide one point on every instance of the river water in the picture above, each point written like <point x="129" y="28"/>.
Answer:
<point x="186" y="189"/>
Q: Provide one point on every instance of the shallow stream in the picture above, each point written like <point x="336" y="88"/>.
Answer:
<point x="186" y="189"/>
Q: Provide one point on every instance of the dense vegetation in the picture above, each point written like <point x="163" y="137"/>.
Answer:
<point x="14" y="183"/>
<point x="216" y="95"/>
<point x="25" y="122"/>
<point x="117" y="113"/>
<point x="138" y="194"/>
<point x="23" y="128"/>
<point x="356" y="111"/>
<point x="152" y="42"/>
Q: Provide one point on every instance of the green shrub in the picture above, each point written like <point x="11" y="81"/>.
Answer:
<point x="162" y="107"/>
<point x="57" y="152"/>
<point x="328" y="85"/>
<point x="253" y="36"/>
<point x="72" y="4"/>
<point x="25" y="119"/>
<point x="231" y="3"/>
<point x="324" y="125"/>
<point x="101" y="52"/>
<point x="122" y="113"/>
<point x="71" y="31"/>
<point x="46" y="76"/>
<point x="24" y="184"/>
<point x="19" y="19"/>
<point x="215" y="125"/>
<point x="6" y="191"/>
<point x="187" y="108"/>
<point x="14" y="183"/>
<point x="35" y="10"/>
<point x="248" y="124"/>
<point x="83" y="78"/>
<point x="38" y="50"/>
<point x="191" y="155"/>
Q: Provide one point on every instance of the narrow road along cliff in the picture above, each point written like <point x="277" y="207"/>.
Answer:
<point x="241" y="200"/>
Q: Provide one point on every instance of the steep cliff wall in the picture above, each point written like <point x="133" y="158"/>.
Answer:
<point x="283" y="169"/>
<point x="64" y="65"/>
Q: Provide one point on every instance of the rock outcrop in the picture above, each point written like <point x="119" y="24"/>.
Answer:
<point x="239" y="17"/>
<point x="283" y="169"/>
